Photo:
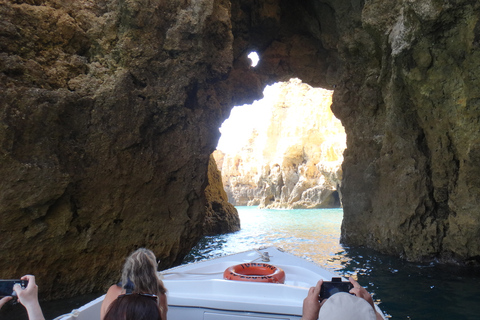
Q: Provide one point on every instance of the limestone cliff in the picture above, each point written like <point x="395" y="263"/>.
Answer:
<point x="293" y="158"/>
<point x="109" y="113"/>
<point x="406" y="77"/>
<point x="409" y="99"/>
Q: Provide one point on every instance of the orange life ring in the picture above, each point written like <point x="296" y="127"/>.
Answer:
<point x="256" y="272"/>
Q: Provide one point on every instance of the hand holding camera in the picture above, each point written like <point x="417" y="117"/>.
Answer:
<point x="6" y="287"/>
<point x="26" y="291"/>
<point x="329" y="288"/>
<point x="318" y="297"/>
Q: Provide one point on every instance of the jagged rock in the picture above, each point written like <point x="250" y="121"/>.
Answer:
<point x="293" y="159"/>
<point x="409" y="101"/>
<point x="109" y="113"/>
<point x="406" y="85"/>
<point x="221" y="216"/>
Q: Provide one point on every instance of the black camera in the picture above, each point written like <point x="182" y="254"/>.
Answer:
<point x="329" y="288"/>
<point x="6" y="286"/>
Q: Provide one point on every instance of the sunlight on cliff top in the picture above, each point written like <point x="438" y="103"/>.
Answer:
<point x="255" y="119"/>
<point x="284" y="151"/>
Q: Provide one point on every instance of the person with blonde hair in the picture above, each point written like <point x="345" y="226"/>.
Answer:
<point x="139" y="276"/>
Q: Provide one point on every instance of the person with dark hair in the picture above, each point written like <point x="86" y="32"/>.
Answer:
<point x="139" y="275"/>
<point x="134" y="306"/>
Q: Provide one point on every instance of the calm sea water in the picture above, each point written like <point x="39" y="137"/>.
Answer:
<point x="404" y="290"/>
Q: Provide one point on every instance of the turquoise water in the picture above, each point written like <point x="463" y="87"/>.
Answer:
<point x="404" y="290"/>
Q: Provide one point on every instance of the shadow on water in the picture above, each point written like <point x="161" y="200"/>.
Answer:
<point x="417" y="291"/>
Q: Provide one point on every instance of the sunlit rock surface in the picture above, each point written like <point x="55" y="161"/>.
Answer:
<point x="293" y="158"/>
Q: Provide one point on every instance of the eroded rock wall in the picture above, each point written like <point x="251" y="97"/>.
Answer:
<point x="109" y="113"/>
<point x="409" y="100"/>
<point x="221" y="216"/>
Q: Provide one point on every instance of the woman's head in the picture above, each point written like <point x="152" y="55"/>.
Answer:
<point x="140" y="269"/>
<point x="134" y="306"/>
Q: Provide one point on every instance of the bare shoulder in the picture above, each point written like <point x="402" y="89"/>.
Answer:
<point x="163" y="300"/>
<point x="113" y="292"/>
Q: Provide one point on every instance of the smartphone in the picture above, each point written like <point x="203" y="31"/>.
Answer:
<point x="6" y="286"/>
<point x="329" y="288"/>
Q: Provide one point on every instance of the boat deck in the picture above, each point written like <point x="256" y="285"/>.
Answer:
<point x="201" y="286"/>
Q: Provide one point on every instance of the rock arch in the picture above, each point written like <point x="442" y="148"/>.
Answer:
<point x="110" y="111"/>
<point x="406" y="92"/>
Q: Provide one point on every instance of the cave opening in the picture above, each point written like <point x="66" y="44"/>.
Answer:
<point x="284" y="150"/>
<point x="254" y="57"/>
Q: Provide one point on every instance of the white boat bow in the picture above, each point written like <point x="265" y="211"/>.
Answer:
<point x="199" y="290"/>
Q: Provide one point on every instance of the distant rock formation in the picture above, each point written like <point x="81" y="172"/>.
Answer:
<point x="293" y="160"/>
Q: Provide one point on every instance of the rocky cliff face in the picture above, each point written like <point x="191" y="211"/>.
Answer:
<point x="293" y="158"/>
<point x="409" y="100"/>
<point x="110" y="110"/>
<point x="109" y="113"/>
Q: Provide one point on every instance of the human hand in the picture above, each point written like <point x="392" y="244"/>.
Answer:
<point x="29" y="298"/>
<point x="311" y="305"/>
<point x="29" y="295"/>
<point x="5" y="300"/>
<point x="361" y="292"/>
